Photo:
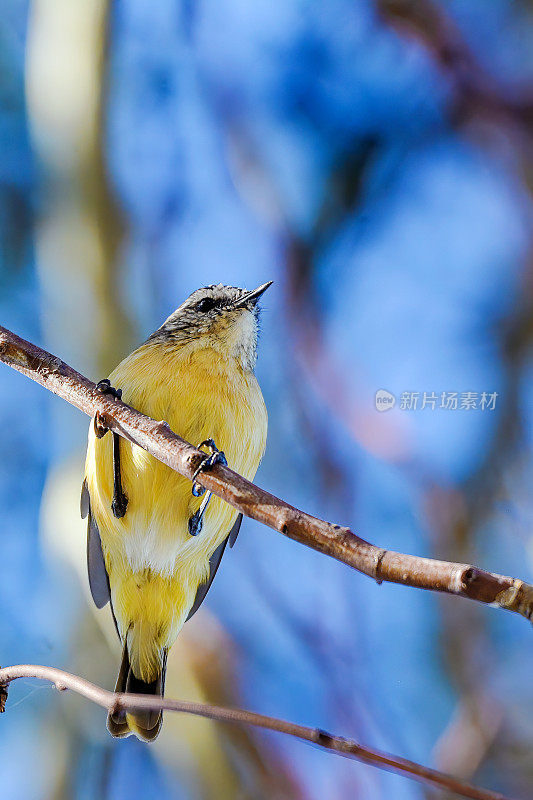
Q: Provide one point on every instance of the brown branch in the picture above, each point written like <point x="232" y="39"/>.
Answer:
<point x="336" y="744"/>
<point x="339" y="542"/>
<point x="476" y="92"/>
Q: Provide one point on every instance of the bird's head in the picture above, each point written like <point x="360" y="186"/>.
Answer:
<point x="222" y="317"/>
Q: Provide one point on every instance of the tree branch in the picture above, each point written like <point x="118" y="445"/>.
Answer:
<point x="336" y="744"/>
<point x="337" y="541"/>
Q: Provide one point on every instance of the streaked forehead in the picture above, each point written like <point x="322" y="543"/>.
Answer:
<point x="218" y="291"/>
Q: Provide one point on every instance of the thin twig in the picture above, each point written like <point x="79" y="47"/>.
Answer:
<point x="337" y="541"/>
<point x="336" y="744"/>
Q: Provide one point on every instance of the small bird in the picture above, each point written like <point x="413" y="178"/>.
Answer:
<point x="154" y="543"/>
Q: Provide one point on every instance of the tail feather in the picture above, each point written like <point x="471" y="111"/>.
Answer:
<point x="143" y="724"/>
<point x="116" y="723"/>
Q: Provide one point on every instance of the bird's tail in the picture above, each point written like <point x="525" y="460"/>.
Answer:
<point x="145" y="725"/>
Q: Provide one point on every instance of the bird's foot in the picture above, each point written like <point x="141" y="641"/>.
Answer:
<point x="104" y="387"/>
<point x="216" y="456"/>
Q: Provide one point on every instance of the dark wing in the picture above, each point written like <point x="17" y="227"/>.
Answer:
<point x="234" y="532"/>
<point x="214" y="563"/>
<point x="85" y="500"/>
<point x="98" y="580"/>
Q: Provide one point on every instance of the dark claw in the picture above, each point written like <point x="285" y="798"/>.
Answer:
<point x="104" y="386"/>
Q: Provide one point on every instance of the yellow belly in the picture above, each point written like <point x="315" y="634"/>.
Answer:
<point x="153" y="563"/>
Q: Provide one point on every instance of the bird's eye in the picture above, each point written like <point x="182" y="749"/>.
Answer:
<point x="206" y="304"/>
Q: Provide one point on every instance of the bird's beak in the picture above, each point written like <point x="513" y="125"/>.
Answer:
<point x="253" y="297"/>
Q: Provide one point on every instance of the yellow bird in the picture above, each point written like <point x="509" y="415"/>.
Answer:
<point x="153" y="544"/>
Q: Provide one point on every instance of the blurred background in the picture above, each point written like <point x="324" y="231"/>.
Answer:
<point x="375" y="159"/>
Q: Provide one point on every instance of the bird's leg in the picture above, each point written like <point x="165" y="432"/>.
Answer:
<point x="119" y="503"/>
<point x="216" y="457"/>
